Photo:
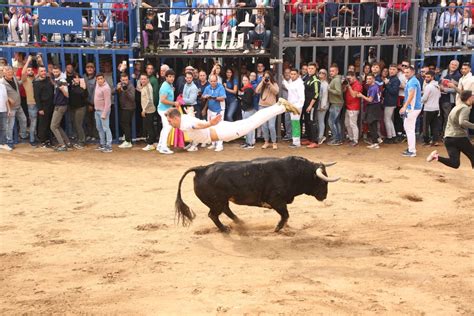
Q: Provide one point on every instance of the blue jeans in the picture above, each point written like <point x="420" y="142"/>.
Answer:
<point x="250" y="137"/>
<point x="334" y="122"/>
<point x="264" y="37"/>
<point x="3" y="127"/>
<point x="403" y="18"/>
<point x="105" y="135"/>
<point x="321" y="123"/>
<point x="120" y="28"/>
<point x="108" y="34"/>
<point x="33" y="115"/>
<point x="16" y="113"/>
<point x="230" y="108"/>
<point x="268" y="128"/>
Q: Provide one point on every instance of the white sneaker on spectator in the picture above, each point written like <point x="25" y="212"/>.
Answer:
<point x="211" y="147"/>
<point x="5" y="147"/>
<point x="148" y="148"/>
<point x="262" y="51"/>
<point x="246" y="51"/>
<point x="219" y="148"/>
<point x="192" y="148"/>
<point x="125" y="144"/>
<point x="166" y="151"/>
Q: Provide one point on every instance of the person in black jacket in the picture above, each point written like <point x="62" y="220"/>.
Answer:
<point x="43" y="89"/>
<point x="126" y="96"/>
<point x="77" y="107"/>
<point x="61" y="102"/>
<point x="246" y="95"/>
<point x="390" y="101"/>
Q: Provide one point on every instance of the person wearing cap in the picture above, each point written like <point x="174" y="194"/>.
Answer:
<point x="181" y="80"/>
<point x="456" y="138"/>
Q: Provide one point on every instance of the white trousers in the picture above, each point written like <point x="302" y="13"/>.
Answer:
<point x="165" y="130"/>
<point x="350" y="121"/>
<point x="211" y="115"/>
<point x="410" y="125"/>
<point x="228" y="131"/>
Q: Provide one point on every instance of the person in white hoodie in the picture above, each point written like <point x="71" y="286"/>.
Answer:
<point x="295" y="89"/>
<point x="430" y="100"/>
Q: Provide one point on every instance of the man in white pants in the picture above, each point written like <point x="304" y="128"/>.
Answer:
<point x="166" y="102"/>
<point x="295" y="88"/>
<point x="411" y="109"/>
<point x="217" y="130"/>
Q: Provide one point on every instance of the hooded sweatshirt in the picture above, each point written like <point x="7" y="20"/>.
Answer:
<point x="431" y="95"/>
<point x="335" y="91"/>
<point x="295" y="92"/>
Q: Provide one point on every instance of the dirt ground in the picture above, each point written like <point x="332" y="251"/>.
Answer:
<point x="86" y="232"/>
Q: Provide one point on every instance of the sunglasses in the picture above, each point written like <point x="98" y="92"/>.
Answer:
<point x="405" y="66"/>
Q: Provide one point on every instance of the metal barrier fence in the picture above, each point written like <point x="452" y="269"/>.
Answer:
<point x="206" y="28"/>
<point x="346" y="19"/>
<point x="446" y="28"/>
<point x="85" y="24"/>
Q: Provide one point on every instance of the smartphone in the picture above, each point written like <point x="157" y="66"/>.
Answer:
<point x="445" y="82"/>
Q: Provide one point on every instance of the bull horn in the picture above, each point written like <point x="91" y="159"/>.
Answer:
<point x="319" y="173"/>
<point x="330" y="164"/>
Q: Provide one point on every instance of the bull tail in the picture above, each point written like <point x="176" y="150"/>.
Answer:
<point x="183" y="212"/>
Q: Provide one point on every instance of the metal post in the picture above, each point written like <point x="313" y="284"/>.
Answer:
<point x="415" y="6"/>
<point x="115" y="103"/>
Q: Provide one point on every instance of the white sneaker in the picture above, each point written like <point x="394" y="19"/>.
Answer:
<point x="373" y="146"/>
<point x="262" y="51"/>
<point x="219" y="148"/>
<point x="211" y="147"/>
<point x="433" y="156"/>
<point x="125" y="144"/>
<point x="188" y="146"/>
<point x="148" y="148"/>
<point x="165" y="151"/>
<point x="192" y="148"/>
<point x="246" y="51"/>
<point x="5" y="147"/>
<point x="203" y="145"/>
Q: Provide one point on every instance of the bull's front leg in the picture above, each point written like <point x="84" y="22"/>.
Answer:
<point x="283" y="211"/>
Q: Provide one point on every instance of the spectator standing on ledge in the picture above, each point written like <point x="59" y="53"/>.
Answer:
<point x="411" y="109"/>
<point x="268" y="90"/>
<point x="336" y="101"/>
<point x="43" y="89"/>
<point x="374" y="109"/>
<point x="448" y="95"/>
<point x="166" y="97"/>
<point x="390" y="101"/>
<point x="148" y="111"/>
<point x="102" y="105"/>
<point x="430" y="100"/>
<point x="295" y="89"/>
<point x="126" y="96"/>
<point x="352" y="89"/>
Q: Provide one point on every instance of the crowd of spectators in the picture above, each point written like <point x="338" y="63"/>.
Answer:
<point x="380" y="104"/>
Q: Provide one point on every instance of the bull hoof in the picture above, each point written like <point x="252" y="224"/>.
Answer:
<point x="225" y="229"/>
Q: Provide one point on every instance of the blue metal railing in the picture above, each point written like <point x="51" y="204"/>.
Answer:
<point x="93" y="24"/>
<point x="345" y="20"/>
<point x="446" y="28"/>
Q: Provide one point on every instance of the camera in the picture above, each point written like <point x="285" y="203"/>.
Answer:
<point x="345" y="82"/>
<point x="267" y="79"/>
<point x="124" y="86"/>
<point x="60" y="82"/>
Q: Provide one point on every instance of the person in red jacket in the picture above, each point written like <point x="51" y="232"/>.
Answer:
<point x="397" y="10"/>
<point x="352" y="88"/>
<point x="120" y="14"/>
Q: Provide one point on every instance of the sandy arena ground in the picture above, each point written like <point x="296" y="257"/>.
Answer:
<point x="92" y="233"/>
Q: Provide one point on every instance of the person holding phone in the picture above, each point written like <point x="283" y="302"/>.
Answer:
<point x="215" y="96"/>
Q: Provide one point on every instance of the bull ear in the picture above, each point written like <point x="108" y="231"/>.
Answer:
<point x="320" y="175"/>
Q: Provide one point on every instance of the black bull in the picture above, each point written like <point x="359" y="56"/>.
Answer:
<point x="265" y="182"/>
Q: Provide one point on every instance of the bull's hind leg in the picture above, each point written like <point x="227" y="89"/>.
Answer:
<point x="231" y="215"/>
<point x="283" y="211"/>
<point x="214" y="215"/>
